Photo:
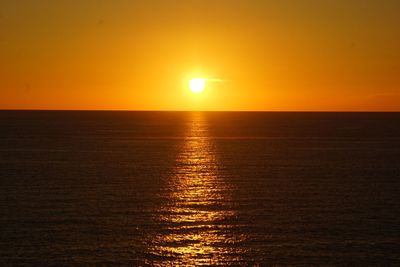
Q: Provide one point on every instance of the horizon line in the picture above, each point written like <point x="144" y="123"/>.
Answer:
<point x="172" y="110"/>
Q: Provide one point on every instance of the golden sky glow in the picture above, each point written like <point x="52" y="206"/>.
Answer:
<point x="140" y="55"/>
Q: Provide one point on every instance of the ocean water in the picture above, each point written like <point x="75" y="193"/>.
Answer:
<point x="192" y="188"/>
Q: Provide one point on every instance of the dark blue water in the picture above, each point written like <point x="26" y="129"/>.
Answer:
<point x="165" y="188"/>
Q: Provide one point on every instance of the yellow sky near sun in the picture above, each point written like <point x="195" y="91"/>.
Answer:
<point x="140" y="55"/>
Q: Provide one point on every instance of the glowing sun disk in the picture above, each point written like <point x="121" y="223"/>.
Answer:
<point x="197" y="85"/>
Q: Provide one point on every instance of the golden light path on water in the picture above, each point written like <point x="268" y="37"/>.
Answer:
<point x="198" y="212"/>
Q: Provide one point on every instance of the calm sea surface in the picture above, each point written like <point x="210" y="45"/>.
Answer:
<point x="182" y="188"/>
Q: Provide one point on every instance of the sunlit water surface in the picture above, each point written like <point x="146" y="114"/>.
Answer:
<point x="196" y="217"/>
<point x="165" y="189"/>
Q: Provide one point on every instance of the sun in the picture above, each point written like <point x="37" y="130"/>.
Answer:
<point x="197" y="85"/>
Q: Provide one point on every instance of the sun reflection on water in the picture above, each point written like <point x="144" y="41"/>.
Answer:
<point x="197" y="208"/>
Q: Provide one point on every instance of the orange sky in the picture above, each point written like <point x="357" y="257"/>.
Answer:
<point x="139" y="55"/>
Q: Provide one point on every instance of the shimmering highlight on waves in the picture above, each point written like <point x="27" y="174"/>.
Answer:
<point x="197" y="206"/>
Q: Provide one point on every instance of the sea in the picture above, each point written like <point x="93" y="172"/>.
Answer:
<point x="102" y="188"/>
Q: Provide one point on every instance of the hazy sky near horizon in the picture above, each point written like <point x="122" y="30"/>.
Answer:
<point x="271" y="55"/>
